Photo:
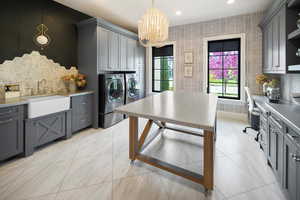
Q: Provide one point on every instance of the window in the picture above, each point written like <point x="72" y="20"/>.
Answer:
<point x="162" y="68"/>
<point x="224" y="68"/>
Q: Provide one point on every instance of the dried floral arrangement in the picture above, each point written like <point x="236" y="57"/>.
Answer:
<point x="78" y="79"/>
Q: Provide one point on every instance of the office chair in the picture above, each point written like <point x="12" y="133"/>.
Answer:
<point x="253" y="114"/>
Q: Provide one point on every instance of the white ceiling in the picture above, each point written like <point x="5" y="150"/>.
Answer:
<point x="127" y="12"/>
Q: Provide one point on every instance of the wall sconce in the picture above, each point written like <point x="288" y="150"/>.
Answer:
<point x="41" y="39"/>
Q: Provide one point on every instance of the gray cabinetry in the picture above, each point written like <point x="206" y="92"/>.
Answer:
<point x="270" y="47"/>
<point x="45" y="129"/>
<point x="282" y="40"/>
<point x="275" y="43"/>
<point x="275" y="39"/>
<point x="11" y="131"/>
<point x="263" y="131"/>
<point x="276" y="146"/>
<point x="103" y="49"/>
<point x="131" y="45"/>
<point x="114" y="51"/>
<point x="82" y="109"/>
<point x="291" y="181"/>
<point x="123" y="52"/>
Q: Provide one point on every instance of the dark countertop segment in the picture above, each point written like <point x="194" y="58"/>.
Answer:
<point x="24" y="100"/>
<point x="288" y="112"/>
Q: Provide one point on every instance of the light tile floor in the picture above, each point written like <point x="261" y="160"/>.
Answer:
<point x="94" y="165"/>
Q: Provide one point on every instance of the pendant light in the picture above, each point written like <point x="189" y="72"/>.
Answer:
<point x="42" y="39"/>
<point x="153" y="27"/>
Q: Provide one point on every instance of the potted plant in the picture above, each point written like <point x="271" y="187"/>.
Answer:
<point x="263" y="80"/>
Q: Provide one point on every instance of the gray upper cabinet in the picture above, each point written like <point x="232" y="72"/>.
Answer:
<point x="11" y="131"/>
<point x="123" y="52"/>
<point x="103" y="49"/>
<point x="265" y="50"/>
<point x="114" y="51"/>
<point x="274" y="39"/>
<point x="270" y="47"/>
<point x="131" y="45"/>
<point x="282" y="40"/>
<point x="275" y="43"/>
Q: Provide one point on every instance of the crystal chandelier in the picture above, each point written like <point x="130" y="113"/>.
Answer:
<point x="153" y="28"/>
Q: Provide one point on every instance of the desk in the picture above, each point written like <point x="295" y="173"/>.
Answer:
<point x="196" y="110"/>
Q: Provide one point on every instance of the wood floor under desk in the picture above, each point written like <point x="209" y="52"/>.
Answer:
<point x="94" y="165"/>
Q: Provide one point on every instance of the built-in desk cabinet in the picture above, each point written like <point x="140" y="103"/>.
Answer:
<point x="275" y="144"/>
<point x="11" y="131"/>
<point x="291" y="181"/>
<point x="281" y="145"/>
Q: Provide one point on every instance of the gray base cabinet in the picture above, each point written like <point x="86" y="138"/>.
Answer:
<point x="276" y="146"/>
<point x="82" y="109"/>
<point x="11" y="131"/>
<point x="291" y="182"/>
<point x="43" y="130"/>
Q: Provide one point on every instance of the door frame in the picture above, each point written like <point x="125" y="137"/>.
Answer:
<point x="149" y="61"/>
<point x="243" y="68"/>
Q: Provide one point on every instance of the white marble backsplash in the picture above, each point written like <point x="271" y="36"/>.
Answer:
<point x="33" y="68"/>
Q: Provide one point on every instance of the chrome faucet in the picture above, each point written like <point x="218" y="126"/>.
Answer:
<point x="41" y="84"/>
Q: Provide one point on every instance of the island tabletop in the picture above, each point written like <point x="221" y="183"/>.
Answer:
<point x="197" y="110"/>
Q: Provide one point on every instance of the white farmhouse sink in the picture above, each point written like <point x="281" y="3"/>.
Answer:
<point x="40" y="106"/>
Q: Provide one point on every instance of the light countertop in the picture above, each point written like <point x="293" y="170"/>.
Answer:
<point x="288" y="112"/>
<point x="24" y="100"/>
<point x="197" y="110"/>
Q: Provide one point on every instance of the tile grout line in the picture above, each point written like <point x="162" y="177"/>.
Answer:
<point x="62" y="181"/>
<point x="250" y="190"/>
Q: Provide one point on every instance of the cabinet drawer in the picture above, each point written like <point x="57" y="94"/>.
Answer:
<point x="82" y="104"/>
<point x="10" y="111"/>
<point x="81" y="112"/>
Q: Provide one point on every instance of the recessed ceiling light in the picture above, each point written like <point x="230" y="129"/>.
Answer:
<point x="178" y="12"/>
<point x="230" y="1"/>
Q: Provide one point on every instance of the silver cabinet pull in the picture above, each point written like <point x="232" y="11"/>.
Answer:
<point x="6" y="121"/>
<point x="296" y="158"/>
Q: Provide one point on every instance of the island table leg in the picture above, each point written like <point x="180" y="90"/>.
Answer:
<point x="133" y="137"/>
<point x="208" y="160"/>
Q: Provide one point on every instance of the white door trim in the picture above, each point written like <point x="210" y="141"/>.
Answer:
<point x="149" y="66"/>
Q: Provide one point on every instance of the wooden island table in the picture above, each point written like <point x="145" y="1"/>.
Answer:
<point x="196" y="110"/>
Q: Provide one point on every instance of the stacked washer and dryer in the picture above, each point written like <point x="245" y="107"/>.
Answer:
<point x="116" y="89"/>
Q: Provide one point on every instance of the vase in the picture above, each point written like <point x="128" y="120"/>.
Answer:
<point x="265" y="88"/>
<point x="72" y="86"/>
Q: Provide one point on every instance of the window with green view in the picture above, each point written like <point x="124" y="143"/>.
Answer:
<point x="162" y="69"/>
<point x="224" y="68"/>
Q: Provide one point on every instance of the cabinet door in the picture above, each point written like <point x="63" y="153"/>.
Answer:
<point x="282" y="40"/>
<point x="114" y="51"/>
<point x="123" y="52"/>
<point x="276" y="147"/>
<point x="103" y="49"/>
<point x="131" y="44"/>
<point x="270" y="46"/>
<point x="265" y="50"/>
<point x="290" y="168"/>
<point x="82" y="109"/>
<point x="275" y="55"/>
<point x="11" y="137"/>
